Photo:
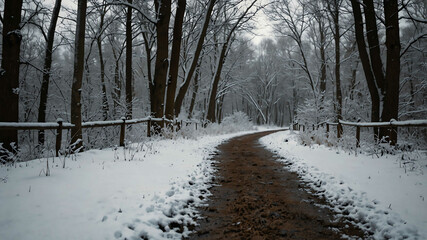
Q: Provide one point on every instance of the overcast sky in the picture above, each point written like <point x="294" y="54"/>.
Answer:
<point x="263" y="28"/>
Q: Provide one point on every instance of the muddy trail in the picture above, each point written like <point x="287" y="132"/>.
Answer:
<point x="254" y="197"/>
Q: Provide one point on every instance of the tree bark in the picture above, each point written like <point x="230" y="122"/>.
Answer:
<point x="194" y="95"/>
<point x="46" y="69"/>
<point x="129" y="62"/>
<point x="148" y="58"/>
<point x="214" y="88"/>
<point x="323" y="61"/>
<point x="337" y="36"/>
<point x="184" y="87"/>
<point x="373" y="42"/>
<point x="391" y="100"/>
<point x="366" y="64"/>
<point x="76" y="89"/>
<point x="117" y="91"/>
<point x="9" y="73"/>
<point x="105" y="108"/>
<point x="175" y="56"/>
<point x="163" y="9"/>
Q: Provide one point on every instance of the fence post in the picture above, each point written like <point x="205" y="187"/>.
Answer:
<point x="149" y="127"/>
<point x="163" y="121"/>
<point x="357" y="136"/>
<point x="339" y="130"/>
<point x="196" y="126"/>
<point x="58" y="136"/>
<point x="122" y="132"/>
<point x="313" y="127"/>
<point x="303" y="128"/>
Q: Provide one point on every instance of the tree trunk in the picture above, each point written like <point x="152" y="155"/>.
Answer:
<point x="214" y="88"/>
<point x="105" y="108"/>
<point x="148" y="58"/>
<point x="9" y="74"/>
<point x="129" y="62"/>
<point x="323" y="60"/>
<point x="163" y="9"/>
<point x="46" y="69"/>
<point x="184" y="87"/>
<point x="373" y="42"/>
<point x="193" y="97"/>
<point x="294" y="101"/>
<point x="337" y="37"/>
<point x="353" y="79"/>
<point x="76" y="89"/>
<point x="366" y="64"/>
<point x="391" y="100"/>
<point x="117" y="91"/>
<point x="175" y="55"/>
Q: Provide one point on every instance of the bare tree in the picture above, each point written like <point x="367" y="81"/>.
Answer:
<point x="184" y="87"/>
<point x="296" y="21"/>
<point x="76" y="105"/>
<point x="334" y="12"/>
<point x="47" y="68"/>
<point x="377" y="84"/>
<point x="243" y="18"/>
<point x="163" y="11"/>
<point x="129" y="62"/>
<point x="175" y="56"/>
<point x="9" y="73"/>
<point x="392" y="75"/>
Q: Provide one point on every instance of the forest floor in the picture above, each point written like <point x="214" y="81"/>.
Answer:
<point x="255" y="197"/>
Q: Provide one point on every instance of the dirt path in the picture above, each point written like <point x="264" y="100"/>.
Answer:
<point x="259" y="199"/>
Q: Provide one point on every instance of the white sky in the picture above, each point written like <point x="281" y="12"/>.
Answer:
<point x="263" y="28"/>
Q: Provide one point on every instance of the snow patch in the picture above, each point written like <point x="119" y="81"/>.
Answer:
<point x="379" y="195"/>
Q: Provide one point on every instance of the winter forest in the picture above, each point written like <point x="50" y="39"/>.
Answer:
<point x="153" y="82"/>
<point x="319" y="61"/>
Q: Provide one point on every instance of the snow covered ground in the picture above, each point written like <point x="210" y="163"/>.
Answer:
<point x="383" y="197"/>
<point x="149" y="190"/>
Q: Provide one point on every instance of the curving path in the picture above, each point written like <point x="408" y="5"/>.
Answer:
<point x="256" y="198"/>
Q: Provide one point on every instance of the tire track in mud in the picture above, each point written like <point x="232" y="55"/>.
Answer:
<point x="254" y="197"/>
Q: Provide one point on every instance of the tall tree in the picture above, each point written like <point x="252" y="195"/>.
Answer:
<point x="175" y="56"/>
<point x="129" y="89"/>
<point x="334" y="11"/>
<point x="9" y="72"/>
<point x="46" y="69"/>
<point x="387" y="87"/>
<point x="184" y="87"/>
<point x="105" y="107"/>
<point x="296" y="20"/>
<point x="76" y="89"/>
<point x="195" y="90"/>
<point x="366" y="62"/>
<point x="391" y="99"/>
<point x="214" y="88"/>
<point x="163" y="10"/>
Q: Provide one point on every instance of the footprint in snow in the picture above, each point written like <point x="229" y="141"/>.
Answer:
<point x="118" y="234"/>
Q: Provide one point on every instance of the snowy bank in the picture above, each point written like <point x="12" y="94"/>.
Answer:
<point x="149" y="190"/>
<point x="384" y="198"/>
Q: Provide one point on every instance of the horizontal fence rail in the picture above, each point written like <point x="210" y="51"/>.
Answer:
<point x="358" y="125"/>
<point x="59" y="125"/>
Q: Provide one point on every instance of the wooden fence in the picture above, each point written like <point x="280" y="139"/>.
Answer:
<point x="358" y="125"/>
<point x="61" y="125"/>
